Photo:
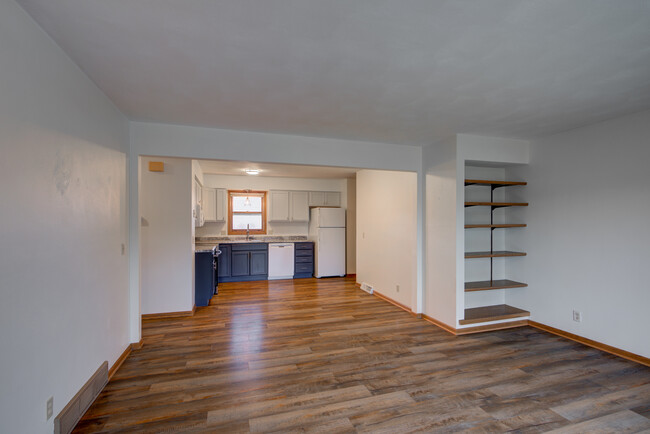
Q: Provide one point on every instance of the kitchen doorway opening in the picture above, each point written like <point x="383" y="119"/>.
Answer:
<point x="186" y="207"/>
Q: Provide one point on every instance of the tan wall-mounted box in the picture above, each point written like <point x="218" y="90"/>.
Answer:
<point x="156" y="166"/>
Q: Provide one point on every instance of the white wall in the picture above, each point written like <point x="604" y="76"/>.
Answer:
<point x="351" y="229"/>
<point x="440" y="167"/>
<point x="588" y="235"/>
<point x="496" y="150"/>
<point x="386" y="233"/>
<point x="266" y="183"/>
<point x="197" y="175"/>
<point x="217" y="144"/>
<point x="167" y="255"/>
<point x="63" y="277"/>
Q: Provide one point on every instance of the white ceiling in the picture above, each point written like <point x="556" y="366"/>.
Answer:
<point x="399" y="71"/>
<point x="219" y="167"/>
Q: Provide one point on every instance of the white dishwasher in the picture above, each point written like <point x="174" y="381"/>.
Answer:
<point x="281" y="261"/>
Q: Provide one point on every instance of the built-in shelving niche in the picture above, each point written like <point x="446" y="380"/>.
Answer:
<point x="487" y="222"/>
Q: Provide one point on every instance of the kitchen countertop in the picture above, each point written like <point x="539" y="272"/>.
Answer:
<point x="207" y="243"/>
<point x="255" y="239"/>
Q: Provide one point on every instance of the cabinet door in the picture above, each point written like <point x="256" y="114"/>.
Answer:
<point x="279" y="206"/>
<point x="259" y="263"/>
<point x="221" y="205"/>
<point x="240" y="264"/>
<point x="332" y="198"/>
<point x="224" y="261"/>
<point x="316" y="198"/>
<point x="209" y="204"/>
<point x="299" y="206"/>
<point x="197" y="193"/>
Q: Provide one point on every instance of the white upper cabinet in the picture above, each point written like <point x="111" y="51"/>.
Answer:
<point x="222" y="205"/>
<point x="299" y="206"/>
<point x="325" y="198"/>
<point x="197" y="206"/>
<point x="289" y="206"/>
<point x="316" y="198"/>
<point x="214" y="204"/>
<point x="332" y="198"/>
<point x="279" y="206"/>
<point x="209" y="204"/>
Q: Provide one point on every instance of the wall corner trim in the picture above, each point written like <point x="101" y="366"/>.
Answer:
<point x="440" y="324"/>
<point x="119" y="362"/>
<point x="137" y="345"/>
<point x="167" y="315"/>
<point x="394" y="302"/>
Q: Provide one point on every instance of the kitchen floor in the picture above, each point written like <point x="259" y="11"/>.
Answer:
<point x="312" y="355"/>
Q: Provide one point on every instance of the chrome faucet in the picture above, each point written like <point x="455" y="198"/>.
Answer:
<point x="248" y="232"/>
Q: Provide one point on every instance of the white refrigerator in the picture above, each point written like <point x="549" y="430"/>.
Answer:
<point x="327" y="230"/>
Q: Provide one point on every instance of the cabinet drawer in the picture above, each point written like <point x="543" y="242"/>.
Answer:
<point x="304" y="246"/>
<point x="249" y="246"/>
<point x="308" y="259"/>
<point x="304" y="253"/>
<point x="304" y="268"/>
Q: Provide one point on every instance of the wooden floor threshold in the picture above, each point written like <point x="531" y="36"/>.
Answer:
<point x="495" y="226"/>
<point x="494" y="254"/>
<point x="476" y="329"/>
<point x="496" y="312"/>
<point x="492" y="327"/>
<point x="490" y="285"/>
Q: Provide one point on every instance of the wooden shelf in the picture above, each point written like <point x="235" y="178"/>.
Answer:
<point x="496" y="204"/>
<point x="498" y="312"/>
<point x="493" y="183"/>
<point x="494" y="254"/>
<point x="492" y="313"/>
<point x="487" y="285"/>
<point x="507" y="225"/>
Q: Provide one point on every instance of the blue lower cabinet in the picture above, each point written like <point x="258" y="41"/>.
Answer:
<point x="204" y="281"/>
<point x="240" y="264"/>
<point x="247" y="262"/>
<point x="224" y="260"/>
<point x="259" y="263"/>
<point x="304" y="260"/>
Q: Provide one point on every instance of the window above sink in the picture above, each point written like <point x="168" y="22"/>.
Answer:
<point x="246" y="212"/>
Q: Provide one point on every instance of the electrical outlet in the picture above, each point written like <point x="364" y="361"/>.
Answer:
<point x="397" y="288"/>
<point x="50" y="407"/>
<point x="577" y="316"/>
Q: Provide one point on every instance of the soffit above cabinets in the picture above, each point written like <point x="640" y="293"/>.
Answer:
<point x="222" y="167"/>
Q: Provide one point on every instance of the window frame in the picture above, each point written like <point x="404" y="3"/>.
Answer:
<point x="236" y="193"/>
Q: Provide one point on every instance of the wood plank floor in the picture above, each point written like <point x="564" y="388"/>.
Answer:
<point x="323" y="356"/>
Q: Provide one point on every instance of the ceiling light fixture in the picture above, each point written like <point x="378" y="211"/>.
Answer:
<point x="252" y="171"/>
